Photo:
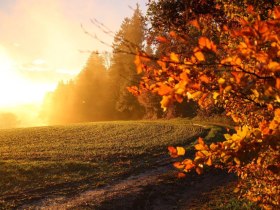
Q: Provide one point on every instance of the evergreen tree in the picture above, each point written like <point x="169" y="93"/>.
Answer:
<point x="90" y="91"/>
<point x="84" y="99"/>
<point x="123" y="73"/>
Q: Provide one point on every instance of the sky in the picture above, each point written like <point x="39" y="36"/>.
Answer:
<point x="42" y="42"/>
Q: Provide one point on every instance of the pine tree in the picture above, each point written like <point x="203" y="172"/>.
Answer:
<point x="123" y="73"/>
<point x="91" y="89"/>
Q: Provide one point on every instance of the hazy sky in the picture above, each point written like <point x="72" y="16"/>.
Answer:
<point x="41" y="40"/>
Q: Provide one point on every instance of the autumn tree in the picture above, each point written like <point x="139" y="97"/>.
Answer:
<point x="235" y="66"/>
<point x="122" y="72"/>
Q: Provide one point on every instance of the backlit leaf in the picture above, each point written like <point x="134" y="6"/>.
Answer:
<point x="180" y="151"/>
<point x="199" y="55"/>
<point x="164" y="90"/>
<point x="199" y="170"/>
<point x="178" y="165"/>
<point x="174" y="57"/>
<point x="181" y="175"/>
<point x="161" y="39"/>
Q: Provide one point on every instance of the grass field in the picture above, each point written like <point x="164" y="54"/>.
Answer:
<point x="61" y="160"/>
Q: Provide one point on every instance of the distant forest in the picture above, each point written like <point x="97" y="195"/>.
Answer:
<point x="99" y="93"/>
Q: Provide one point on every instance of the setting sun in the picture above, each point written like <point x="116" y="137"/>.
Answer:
<point x="15" y="89"/>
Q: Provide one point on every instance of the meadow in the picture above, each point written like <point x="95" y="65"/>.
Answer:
<point x="62" y="160"/>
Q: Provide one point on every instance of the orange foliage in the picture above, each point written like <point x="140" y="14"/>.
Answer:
<point x="248" y="90"/>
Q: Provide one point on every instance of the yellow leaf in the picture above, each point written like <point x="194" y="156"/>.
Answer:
<point x="199" y="147"/>
<point x="215" y="95"/>
<point x="237" y="161"/>
<point x="174" y="57"/>
<point x="199" y="55"/>
<point x="165" y="102"/>
<point x="221" y="81"/>
<point x="138" y="64"/>
<point x="227" y="136"/>
<point x="196" y="95"/>
<point x="180" y="151"/>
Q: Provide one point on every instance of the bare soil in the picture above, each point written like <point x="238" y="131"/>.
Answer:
<point x="157" y="188"/>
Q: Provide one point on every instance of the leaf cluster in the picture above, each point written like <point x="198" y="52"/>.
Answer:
<point x="238" y="69"/>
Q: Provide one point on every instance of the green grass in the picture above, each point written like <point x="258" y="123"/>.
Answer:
<point x="62" y="160"/>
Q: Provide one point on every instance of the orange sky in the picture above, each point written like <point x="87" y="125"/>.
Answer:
<point x="41" y="43"/>
<point x="41" y="40"/>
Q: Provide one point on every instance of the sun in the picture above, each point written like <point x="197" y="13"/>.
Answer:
<point x="15" y="89"/>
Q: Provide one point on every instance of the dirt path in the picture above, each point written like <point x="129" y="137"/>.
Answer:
<point x="131" y="185"/>
<point x="156" y="189"/>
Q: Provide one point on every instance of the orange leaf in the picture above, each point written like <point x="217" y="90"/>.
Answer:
<point x="199" y="55"/>
<point x="199" y="170"/>
<point x="164" y="89"/>
<point x="237" y="76"/>
<point x="274" y="66"/>
<point x="250" y="9"/>
<point x="134" y="90"/>
<point x="178" y="165"/>
<point x="161" y="39"/>
<point x="179" y="98"/>
<point x="195" y="86"/>
<point x="214" y="147"/>
<point x="173" y="34"/>
<point x="199" y="154"/>
<point x="204" y="42"/>
<point x="195" y="24"/>
<point x="138" y="64"/>
<point x="165" y="102"/>
<point x="162" y="64"/>
<point x="174" y="57"/>
<point x="276" y="12"/>
<point x="188" y="166"/>
<point x="200" y="140"/>
<point x="277" y="85"/>
<point x="204" y="78"/>
<point x="172" y="149"/>
<point x="209" y="162"/>
<point x="181" y="175"/>
<point x="199" y="147"/>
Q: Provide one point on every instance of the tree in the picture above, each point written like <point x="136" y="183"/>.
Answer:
<point x="86" y="98"/>
<point x="8" y="120"/>
<point x="91" y="91"/>
<point x="236" y="68"/>
<point x="127" y="41"/>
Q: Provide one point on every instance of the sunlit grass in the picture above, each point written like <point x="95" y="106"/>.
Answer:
<point x="59" y="160"/>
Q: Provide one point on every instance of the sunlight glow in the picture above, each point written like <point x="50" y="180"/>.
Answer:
<point x="14" y="89"/>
